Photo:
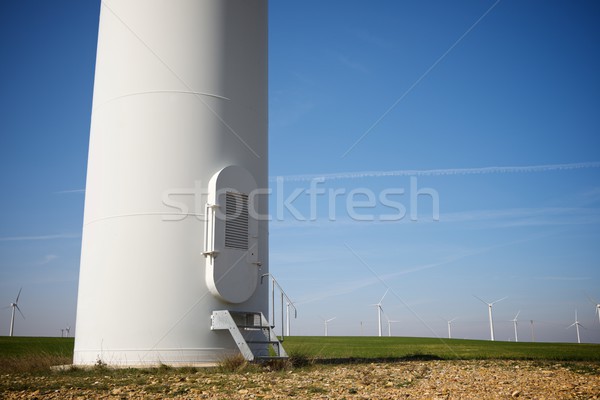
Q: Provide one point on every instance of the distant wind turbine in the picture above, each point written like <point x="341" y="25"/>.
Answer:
<point x="15" y="306"/>
<point x="449" y="327"/>
<point x="68" y="330"/>
<point x="514" y="321"/>
<point x="379" y="311"/>
<point x="576" y="324"/>
<point x="390" y="322"/>
<point x="490" y="313"/>
<point x="326" y="322"/>
<point x="287" y="315"/>
<point x="597" y="304"/>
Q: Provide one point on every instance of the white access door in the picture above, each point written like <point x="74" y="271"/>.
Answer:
<point x="231" y="235"/>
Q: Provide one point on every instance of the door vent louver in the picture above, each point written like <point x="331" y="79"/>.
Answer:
<point x="236" y="220"/>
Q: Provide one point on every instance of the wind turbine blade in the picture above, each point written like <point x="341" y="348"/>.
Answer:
<point x="517" y="316"/>
<point x="19" y="310"/>
<point x="481" y="300"/>
<point x="386" y="292"/>
<point x="592" y="300"/>
<point x="19" y="294"/>
<point x="504" y="298"/>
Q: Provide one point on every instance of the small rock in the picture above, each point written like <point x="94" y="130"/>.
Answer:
<point x="516" y="393"/>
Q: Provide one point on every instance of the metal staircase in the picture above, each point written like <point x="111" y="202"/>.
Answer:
<point x="251" y="332"/>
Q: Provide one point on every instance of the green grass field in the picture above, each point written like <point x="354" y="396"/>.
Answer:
<point x="36" y="353"/>
<point x="344" y="347"/>
<point x="21" y="346"/>
<point x="27" y="354"/>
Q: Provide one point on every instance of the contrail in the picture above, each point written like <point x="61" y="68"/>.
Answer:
<point x="422" y="172"/>
<point x="440" y="172"/>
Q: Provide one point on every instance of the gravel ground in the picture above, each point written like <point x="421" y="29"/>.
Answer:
<point x="401" y="380"/>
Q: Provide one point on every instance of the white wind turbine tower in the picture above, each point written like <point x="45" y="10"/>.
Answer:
<point x="379" y="311"/>
<point x="490" y="313"/>
<point x="326" y="322"/>
<point x="15" y="306"/>
<point x="577" y="325"/>
<point x="449" y="327"/>
<point x="514" y="321"/>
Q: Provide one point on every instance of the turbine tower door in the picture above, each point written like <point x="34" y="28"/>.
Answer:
<point x="231" y="235"/>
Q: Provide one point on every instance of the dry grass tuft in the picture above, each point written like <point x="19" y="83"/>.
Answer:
<point x="233" y="363"/>
<point x="300" y="358"/>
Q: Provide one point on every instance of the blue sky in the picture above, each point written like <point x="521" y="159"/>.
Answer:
<point x="491" y="105"/>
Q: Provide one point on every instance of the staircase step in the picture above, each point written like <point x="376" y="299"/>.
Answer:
<point x="253" y="327"/>
<point x="246" y="334"/>
<point x="263" y="341"/>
